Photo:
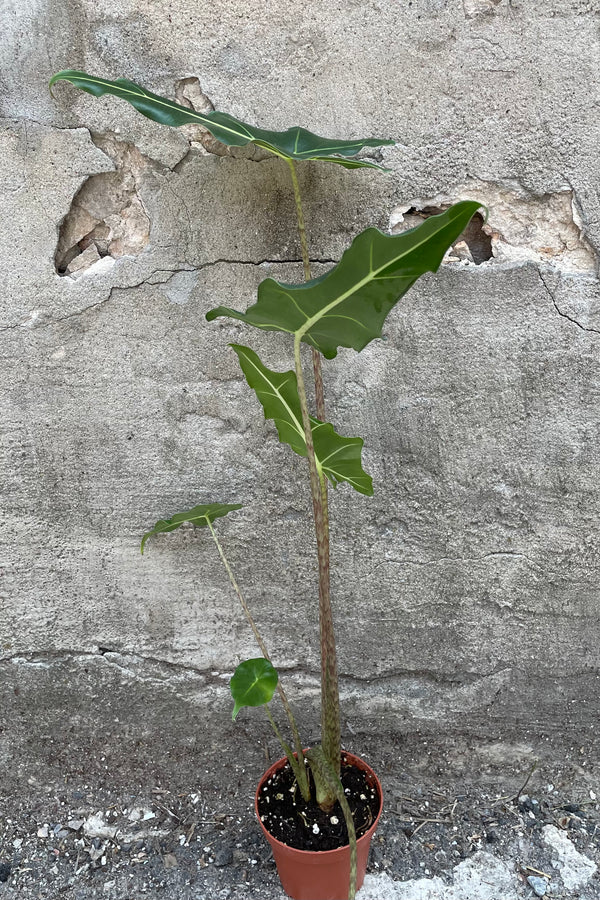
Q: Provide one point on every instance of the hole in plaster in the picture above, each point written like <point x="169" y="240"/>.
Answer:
<point x="522" y="226"/>
<point x="107" y="217"/>
<point x="474" y="245"/>
<point x="474" y="8"/>
<point x="188" y="92"/>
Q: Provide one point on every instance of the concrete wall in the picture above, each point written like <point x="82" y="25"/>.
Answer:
<point x="466" y="589"/>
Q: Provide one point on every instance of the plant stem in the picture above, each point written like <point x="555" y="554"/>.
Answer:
<point x="304" y="786"/>
<point x="297" y="764"/>
<point x="316" y="356"/>
<point x="323" y="772"/>
<point x="330" y="704"/>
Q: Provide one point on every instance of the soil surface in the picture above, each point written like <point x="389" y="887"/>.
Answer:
<point x="90" y="828"/>
<point x="305" y="826"/>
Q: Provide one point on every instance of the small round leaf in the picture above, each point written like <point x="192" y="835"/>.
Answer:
<point x="253" y="684"/>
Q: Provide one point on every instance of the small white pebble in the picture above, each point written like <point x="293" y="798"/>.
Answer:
<point x="592" y="795"/>
<point x="346" y="790"/>
<point x="334" y="820"/>
<point x="316" y="828"/>
<point x="363" y="797"/>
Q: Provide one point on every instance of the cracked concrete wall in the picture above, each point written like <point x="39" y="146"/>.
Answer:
<point x="466" y="590"/>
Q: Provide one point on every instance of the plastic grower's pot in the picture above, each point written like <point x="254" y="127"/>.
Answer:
<point x="320" y="874"/>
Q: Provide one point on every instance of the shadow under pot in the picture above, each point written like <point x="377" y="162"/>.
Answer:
<point x="296" y="830"/>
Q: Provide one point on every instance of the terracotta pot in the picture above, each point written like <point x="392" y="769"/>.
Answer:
<point x="325" y="874"/>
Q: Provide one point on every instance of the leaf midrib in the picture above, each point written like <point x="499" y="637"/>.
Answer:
<point x="369" y="277"/>
<point x="297" y="424"/>
<point x="249" y="688"/>
<point x="170" y="104"/>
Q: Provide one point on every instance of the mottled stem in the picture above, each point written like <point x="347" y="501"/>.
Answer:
<point x="316" y="356"/>
<point x="324" y="773"/>
<point x="330" y="705"/>
<point x="303" y="780"/>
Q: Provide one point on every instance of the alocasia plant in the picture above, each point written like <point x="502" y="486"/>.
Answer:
<point x="346" y="307"/>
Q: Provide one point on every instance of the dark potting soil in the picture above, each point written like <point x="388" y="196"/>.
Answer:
<point x="305" y="826"/>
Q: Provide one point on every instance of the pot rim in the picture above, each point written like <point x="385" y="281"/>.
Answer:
<point x="320" y="853"/>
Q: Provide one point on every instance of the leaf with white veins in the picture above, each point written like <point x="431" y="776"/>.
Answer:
<point x="295" y="143"/>
<point x="200" y="516"/>
<point x="348" y="305"/>
<point x="339" y="458"/>
<point x="252" y="684"/>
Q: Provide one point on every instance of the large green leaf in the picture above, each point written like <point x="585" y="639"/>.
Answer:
<point x="295" y="143"/>
<point x="348" y="305"/>
<point x="252" y="684"/>
<point x="339" y="458"/>
<point x="199" y="515"/>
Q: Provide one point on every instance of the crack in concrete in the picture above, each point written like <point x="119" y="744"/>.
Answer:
<point x="496" y="554"/>
<point x="564" y="315"/>
<point x="153" y="280"/>
<point x="264" y="262"/>
<point x="458" y="679"/>
<point x="48" y="323"/>
<point x="27" y="120"/>
<point x="211" y="676"/>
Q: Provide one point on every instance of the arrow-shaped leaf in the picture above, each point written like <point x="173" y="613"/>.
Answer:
<point x="199" y="515"/>
<point x="295" y="143"/>
<point x="252" y="684"/>
<point x="348" y="305"/>
<point x="339" y="458"/>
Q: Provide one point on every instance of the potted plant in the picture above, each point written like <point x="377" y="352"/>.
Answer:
<point x="318" y="807"/>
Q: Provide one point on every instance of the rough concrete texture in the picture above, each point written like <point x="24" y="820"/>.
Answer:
<point x="466" y="589"/>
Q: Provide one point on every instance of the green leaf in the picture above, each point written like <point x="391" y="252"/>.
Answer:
<point x="348" y="305"/>
<point x="295" y="143"/>
<point x="339" y="458"/>
<point x="253" y="684"/>
<point x="199" y="515"/>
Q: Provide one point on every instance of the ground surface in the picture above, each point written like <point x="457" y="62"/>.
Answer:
<point x="459" y="824"/>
